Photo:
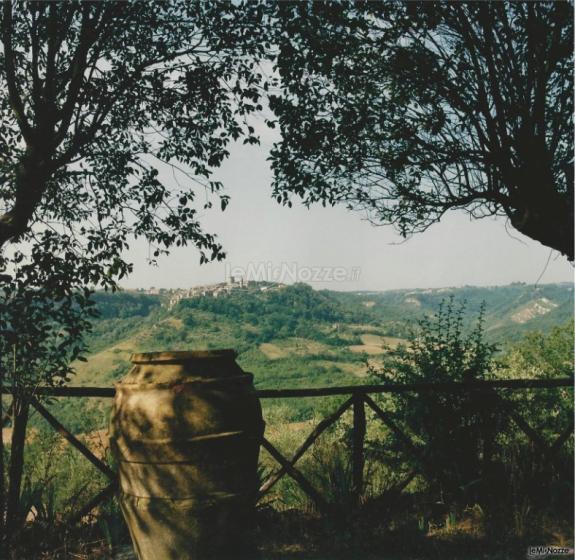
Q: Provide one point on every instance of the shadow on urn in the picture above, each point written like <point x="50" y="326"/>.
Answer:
<point x="185" y="431"/>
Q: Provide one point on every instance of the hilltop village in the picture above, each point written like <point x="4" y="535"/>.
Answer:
<point x="173" y="296"/>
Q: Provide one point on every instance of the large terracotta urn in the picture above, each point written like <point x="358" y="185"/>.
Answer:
<point x="185" y="431"/>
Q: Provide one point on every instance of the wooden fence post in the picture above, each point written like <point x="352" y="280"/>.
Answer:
<point x="21" y="410"/>
<point x="358" y="443"/>
<point x="3" y="552"/>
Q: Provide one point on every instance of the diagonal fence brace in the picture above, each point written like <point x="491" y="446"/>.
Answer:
<point x="549" y="451"/>
<point x="304" y="484"/>
<point x="75" y="442"/>
<point x="100" y="497"/>
<point x="317" y="431"/>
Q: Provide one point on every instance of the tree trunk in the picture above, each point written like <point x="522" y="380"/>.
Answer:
<point x="2" y="483"/>
<point x="13" y="513"/>
<point x="30" y="183"/>
<point x="548" y="220"/>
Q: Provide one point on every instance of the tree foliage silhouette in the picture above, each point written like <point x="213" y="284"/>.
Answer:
<point x="102" y="103"/>
<point x="105" y="107"/>
<point x="408" y="109"/>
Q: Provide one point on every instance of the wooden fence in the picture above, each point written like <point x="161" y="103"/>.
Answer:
<point x="358" y="399"/>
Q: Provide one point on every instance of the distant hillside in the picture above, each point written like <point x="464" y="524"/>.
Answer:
<point x="291" y="336"/>
<point x="298" y="336"/>
<point x="511" y="311"/>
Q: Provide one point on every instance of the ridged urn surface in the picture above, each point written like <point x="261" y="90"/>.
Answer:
<point x="185" y="432"/>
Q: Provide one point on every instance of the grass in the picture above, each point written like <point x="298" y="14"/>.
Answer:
<point x="273" y="351"/>
<point x="387" y="526"/>
<point x="375" y="344"/>
<point x="298" y="535"/>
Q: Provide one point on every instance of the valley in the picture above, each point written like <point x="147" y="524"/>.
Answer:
<point x="297" y="336"/>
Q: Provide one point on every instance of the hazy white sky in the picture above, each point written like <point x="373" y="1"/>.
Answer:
<point x="336" y="249"/>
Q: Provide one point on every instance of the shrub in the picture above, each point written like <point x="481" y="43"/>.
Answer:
<point x="455" y="431"/>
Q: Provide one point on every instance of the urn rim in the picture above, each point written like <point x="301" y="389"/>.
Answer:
<point x="181" y="356"/>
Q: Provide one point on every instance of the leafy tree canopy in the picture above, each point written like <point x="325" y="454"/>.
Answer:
<point x="103" y="103"/>
<point x="105" y="106"/>
<point x="406" y="110"/>
<point x="544" y="355"/>
<point x="42" y="329"/>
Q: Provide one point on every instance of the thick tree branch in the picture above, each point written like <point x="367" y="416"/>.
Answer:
<point x="11" y="80"/>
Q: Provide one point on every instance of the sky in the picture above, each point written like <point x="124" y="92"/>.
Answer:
<point x="337" y="249"/>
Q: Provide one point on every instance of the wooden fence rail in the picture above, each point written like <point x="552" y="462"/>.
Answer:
<point x="359" y="398"/>
<point x="512" y="384"/>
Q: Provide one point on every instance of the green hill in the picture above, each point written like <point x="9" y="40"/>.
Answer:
<point x="294" y="335"/>
<point x="511" y="311"/>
